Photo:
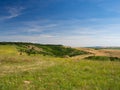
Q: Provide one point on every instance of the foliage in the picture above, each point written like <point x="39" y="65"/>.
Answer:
<point x="103" y="58"/>
<point x="52" y="50"/>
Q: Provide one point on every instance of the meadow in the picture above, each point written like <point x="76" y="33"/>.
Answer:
<point x="45" y="72"/>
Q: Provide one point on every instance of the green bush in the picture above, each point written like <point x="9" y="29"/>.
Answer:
<point x="103" y="58"/>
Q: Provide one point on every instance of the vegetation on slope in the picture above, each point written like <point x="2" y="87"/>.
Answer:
<point x="8" y="49"/>
<point x="38" y="72"/>
<point x="52" y="50"/>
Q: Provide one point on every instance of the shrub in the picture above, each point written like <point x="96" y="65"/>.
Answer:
<point x="103" y="58"/>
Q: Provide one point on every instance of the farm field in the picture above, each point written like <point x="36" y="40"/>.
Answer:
<point x="45" y="72"/>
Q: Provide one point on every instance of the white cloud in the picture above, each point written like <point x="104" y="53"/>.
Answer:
<point x="72" y="40"/>
<point x="27" y="38"/>
<point x="12" y="12"/>
<point x="70" y="33"/>
<point x="38" y="27"/>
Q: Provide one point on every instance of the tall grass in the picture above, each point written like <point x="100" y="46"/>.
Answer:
<point x="37" y="72"/>
<point x="8" y="49"/>
<point x="61" y="74"/>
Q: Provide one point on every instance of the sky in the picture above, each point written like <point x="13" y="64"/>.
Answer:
<point x="77" y="23"/>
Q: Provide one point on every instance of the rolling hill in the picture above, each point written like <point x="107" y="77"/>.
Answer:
<point x="35" y="49"/>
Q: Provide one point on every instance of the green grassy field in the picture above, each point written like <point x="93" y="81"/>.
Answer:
<point x="8" y="49"/>
<point x="38" y="72"/>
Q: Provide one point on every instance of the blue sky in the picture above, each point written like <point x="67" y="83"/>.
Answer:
<point x="69" y="22"/>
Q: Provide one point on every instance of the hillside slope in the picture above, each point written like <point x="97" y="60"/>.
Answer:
<point x="38" y="72"/>
<point x="102" y="52"/>
<point x="34" y="49"/>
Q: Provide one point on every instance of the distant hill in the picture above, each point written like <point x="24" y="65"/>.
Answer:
<point x="110" y="52"/>
<point x="44" y="49"/>
<point x="103" y="47"/>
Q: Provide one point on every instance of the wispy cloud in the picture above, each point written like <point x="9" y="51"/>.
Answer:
<point x="71" y="40"/>
<point x="68" y="32"/>
<point x="12" y="12"/>
<point x="41" y="38"/>
<point x="37" y="28"/>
